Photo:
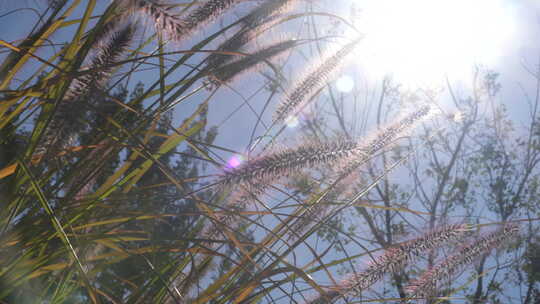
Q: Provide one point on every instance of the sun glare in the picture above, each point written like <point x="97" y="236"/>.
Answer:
<point x="419" y="42"/>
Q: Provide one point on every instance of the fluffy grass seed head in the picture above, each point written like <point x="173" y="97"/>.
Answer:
<point x="275" y="165"/>
<point x="426" y="285"/>
<point x="206" y="13"/>
<point x="178" y="28"/>
<point x="383" y="139"/>
<point x="238" y="43"/>
<point x="106" y="53"/>
<point x="394" y="259"/>
<point x="65" y="122"/>
<point x="268" y="10"/>
<point x="395" y="130"/>
<point x="303" y="91"/>
<point x="227" y="73"/>
<point x="234" y="44"/>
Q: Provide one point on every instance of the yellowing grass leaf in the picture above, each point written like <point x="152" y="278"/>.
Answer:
<point x="122" y="220"/>
<point x="7" y="171"/>
<point x="174" y="140"/>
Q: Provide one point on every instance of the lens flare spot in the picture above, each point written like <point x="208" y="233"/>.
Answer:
<point x="235" y="161"/>
<point x="458" y="116"/>
<point x="345" y="84"/>
<point x="292" y="122"/>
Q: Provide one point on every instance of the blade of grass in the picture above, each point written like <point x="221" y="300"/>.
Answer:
<point x="60" y="230"/>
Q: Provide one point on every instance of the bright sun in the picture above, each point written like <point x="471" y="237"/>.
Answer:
<point x="419" y="42"/>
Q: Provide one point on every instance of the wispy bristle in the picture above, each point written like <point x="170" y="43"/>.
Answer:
<point x="394" y="259"/>
<point x="302" y="92"/>
<point x="426" y="285"/>
<point x="228" y="72"/>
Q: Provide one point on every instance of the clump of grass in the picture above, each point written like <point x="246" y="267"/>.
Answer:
<point x="135" y="204"/>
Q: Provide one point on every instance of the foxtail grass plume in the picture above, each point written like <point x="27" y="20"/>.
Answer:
<point x="106" y="54"/>
<point x="237" y="43"/>
<point x="165" y="21"/>
<point x="304" y="90"/>
<point x="178" y="28"/>
<point x="426" y="285"/>
<point x="268" y="10"/>
<point x="258" y="173"/>
<point x="109" y="29"/>
<point x="275" y="165"/>
<point x="230" y="71"/>
<point x="64" y="124"/>
<point x="383" y="139"/>
<point x="393" y="260"/>
<point x="259" y="20"/>
<point x="346" y="167"/>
